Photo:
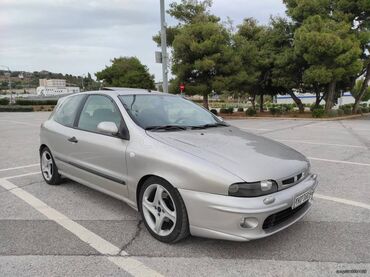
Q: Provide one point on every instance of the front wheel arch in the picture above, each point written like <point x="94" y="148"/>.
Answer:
<point x="181" y="229"/>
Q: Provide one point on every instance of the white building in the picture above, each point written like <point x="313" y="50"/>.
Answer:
<point x="54" y="87"/>
<point x="308" y="98"/>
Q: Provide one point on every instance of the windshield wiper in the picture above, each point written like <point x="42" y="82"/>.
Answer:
<point x="165" y="128"/>
<point x="210" y="125"/>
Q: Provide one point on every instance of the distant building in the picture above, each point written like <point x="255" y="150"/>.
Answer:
<point x="308" y="98"/>
<point x="54" y="87"/>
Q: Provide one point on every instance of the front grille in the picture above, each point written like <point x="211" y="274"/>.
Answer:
<point x="288" y="181"/>
<point x="292" y="180"/>
<point x="276" y="219"/>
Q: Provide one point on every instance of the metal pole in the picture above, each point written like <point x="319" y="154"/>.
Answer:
<point x="164" y="49"/>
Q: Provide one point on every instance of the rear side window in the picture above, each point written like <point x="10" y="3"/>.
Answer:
<point x="67" y="111"/>
<point x="97" y="109"/>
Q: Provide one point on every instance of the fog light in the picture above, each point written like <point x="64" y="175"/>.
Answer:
<point x="249" y="222"/>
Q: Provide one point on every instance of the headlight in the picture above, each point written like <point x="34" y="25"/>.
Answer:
<point x="253" y="189"/>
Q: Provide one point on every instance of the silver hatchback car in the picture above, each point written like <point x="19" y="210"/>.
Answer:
<point x="184" y="169"/>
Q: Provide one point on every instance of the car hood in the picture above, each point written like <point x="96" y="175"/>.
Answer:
<point x="248" y="156"/>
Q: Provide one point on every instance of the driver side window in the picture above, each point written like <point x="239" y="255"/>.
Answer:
<point x="97" y="109"/>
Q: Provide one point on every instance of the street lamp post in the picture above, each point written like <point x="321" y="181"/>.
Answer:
<point x="9" y="83"/>
<point x="164" y="48"/>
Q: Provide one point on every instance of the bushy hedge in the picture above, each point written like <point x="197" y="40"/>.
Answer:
<point x="313" y="107"/>
<point x="365" y="109"/>
<point x="227" y="110"/>
<point x="13" y="108"/>
<point x="214" y="111"/>
<point x="332" y="113"/>
<point x="318" y="112"/>
<point x="4" y="101"/>
<point x="250" y="112"/>
<point x="31" y="102"/>
<point x="240" y="109"/>
<point x="277" y="109"/>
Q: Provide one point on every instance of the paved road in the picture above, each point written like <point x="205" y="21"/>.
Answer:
<point x="333" y="236"/>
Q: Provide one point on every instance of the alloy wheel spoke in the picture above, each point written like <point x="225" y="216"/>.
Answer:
<point x="158" y="195"/>
<point x="150" y="207"/>
<point x="158" y="223"/>
<point x="171" y="215"/>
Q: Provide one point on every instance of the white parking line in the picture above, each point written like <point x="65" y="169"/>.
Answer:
<point x="21" y="175"/>
<point x="338" y="161"/>
<point x="18" y="167"/>
<point x="130" y="265"/>
<point x="320" y="143"/>
<point x="343" y="201"/>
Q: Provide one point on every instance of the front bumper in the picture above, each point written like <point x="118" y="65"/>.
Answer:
<point x="220" y="216"/>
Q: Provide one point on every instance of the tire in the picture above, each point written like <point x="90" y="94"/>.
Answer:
<point x="49" y="170"/>
<point x="160" y="202"/>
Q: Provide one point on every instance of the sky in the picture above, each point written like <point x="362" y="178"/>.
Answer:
<point x="80" y="36"/>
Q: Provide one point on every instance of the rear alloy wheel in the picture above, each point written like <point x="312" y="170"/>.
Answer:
<point x="49" y="169"/>
<point x="163" y="211"/>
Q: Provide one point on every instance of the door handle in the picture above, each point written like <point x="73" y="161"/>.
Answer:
<point x="73" y="139"/>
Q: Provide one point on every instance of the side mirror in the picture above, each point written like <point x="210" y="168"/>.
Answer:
<point x="220" y="118"/>
<point x="107" y="127"/>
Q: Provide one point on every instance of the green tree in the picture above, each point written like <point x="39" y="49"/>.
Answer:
<point x="247" y="60"/>
<point x="186" y="12"/>
<point x="331" y="51"/>
<point x="201" y="57"/>
<point x="126" y="72"/>
<point x="356" y="13"/>
<point x="357" y="89"/>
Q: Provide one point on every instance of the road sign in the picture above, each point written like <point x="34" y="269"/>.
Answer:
<point x="158" y="56"/>
<point x="182" y="87"/>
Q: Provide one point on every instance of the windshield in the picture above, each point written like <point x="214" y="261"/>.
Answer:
<point x="153" y="111"/>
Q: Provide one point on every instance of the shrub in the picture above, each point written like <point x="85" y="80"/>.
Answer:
<point x="4" y="101"/>
<point x="340" y="112"/>
<point x="347" y="110"/>
<point x="318" y="113"/>
<point x="313" y="107"/>
<point x="30" y="102"/>
<point x="287" y="107"/>
<point x="276" y="110"/>
<point x="250" y="112"/>
<point x="359" y="110"/>
<point x="365" y="110"/>
<point x="214" y="111"/>
<point x="240" y="109"/>
<point x="332" y="113"/>
<point x="11" y="108"/>
<point x="226" y="109"/>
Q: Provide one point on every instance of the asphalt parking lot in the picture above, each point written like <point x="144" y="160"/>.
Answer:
<point x="335" y="235"/>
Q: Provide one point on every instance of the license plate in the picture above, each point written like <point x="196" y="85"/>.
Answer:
<point x="300" y="199"/>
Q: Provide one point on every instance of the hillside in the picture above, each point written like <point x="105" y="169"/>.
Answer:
<point x="23" y="79"/>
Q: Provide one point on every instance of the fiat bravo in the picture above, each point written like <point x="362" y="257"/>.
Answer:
<point x="183" y="168"/>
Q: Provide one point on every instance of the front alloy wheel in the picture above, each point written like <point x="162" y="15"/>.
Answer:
<point x="163" y="210"/>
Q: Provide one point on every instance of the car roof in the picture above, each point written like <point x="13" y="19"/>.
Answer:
<point x="116" y="91"/>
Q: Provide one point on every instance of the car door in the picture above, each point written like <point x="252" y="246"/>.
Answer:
<point x="61" y="128"/>
<point x="95" y="157"/>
